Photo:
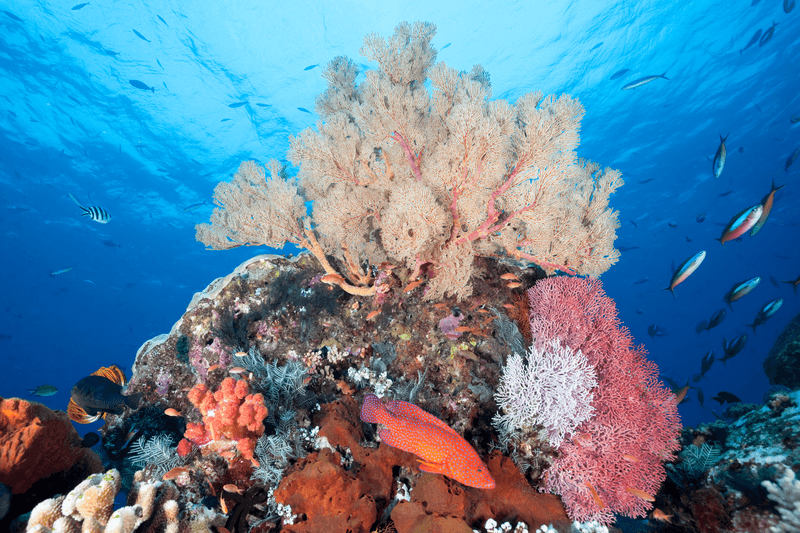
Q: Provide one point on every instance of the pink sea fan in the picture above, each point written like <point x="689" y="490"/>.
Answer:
<point x="615" y="458"/>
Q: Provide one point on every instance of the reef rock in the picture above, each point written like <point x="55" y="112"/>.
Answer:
<point x="782" y="365"/>
<point x="718" y="484"/>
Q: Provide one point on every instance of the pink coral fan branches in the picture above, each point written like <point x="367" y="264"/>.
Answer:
<point x="613" y="463"/>
<point x="399" y="174"/>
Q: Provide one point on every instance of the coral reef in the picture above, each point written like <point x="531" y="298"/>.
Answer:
<point x="734" y="474"/>
<point x="430" y="181"/>
<point x="782" y="365"/>
<point x="36" y="442"/>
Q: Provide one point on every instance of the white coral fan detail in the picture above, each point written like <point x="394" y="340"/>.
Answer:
<point x="552" y="389"/>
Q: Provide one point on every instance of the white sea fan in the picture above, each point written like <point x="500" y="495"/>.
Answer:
<point x="552" y="389"/>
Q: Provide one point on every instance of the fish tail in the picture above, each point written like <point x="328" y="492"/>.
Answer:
<point x="753" y="325"/>
<point x="664" y="76"/>
<point x="132" y="400"/>
<point x="153" y="89"/>
<point x="670" y="290"/>
<point x="773" y="188"/>
<point x="723" y="139"/>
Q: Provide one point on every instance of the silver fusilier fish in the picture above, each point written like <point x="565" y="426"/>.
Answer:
<point x="642" y="81"/>
<point x="720" y="157"/>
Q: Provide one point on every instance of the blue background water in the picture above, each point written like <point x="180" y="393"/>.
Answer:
<point x="70" y="122"/>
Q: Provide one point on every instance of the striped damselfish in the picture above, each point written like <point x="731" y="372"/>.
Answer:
<point x="98" y="214"/>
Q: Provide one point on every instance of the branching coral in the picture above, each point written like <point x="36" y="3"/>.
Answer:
<point x="400" y="175"/>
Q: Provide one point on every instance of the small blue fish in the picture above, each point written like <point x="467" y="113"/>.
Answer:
<point x="767" y="37"/>
<point x="618" y="74"/>
<point x="724" y="194"/>
<point x="192" y="207"/>
<point x="701" y="326"/>
<point x="140" y="36"/>
<point x="159" y="64"/>
<point x="225" y="120"/>
<point x="141" y="85"/>
<point x="162" y="20"/>
<point x="753" y="40"/>
<point x="642" y="81"/>
<point x="448" y="44"/>
<point x="788" y="5"/>
<point x="80" y="6"/>
<point x="740" y="289"/>
<point x="98" y="214"/>
<point x="719" y="157"/>
<point x="262" y="105"/>
<point x="304" y="110"/>
<point x="641" y="280"/>
<point x="62" y="271"/>
<point x="236" y="104"/>
<point x="595" y="47"/>
<point x="717" y="318"/>
<point x="43" y="390"/>
<point x="311" y="66"/>
<point x="701" y="217"/>
<point x="685" y="270"/>
<point x="766" y="312"/>
<point x="13" y="16"/>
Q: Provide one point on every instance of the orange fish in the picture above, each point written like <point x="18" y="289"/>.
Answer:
<point x="681" y="394"/>
<point x="766" y="207"/>
<point x="630" y="458"/>
<point x="413" y="285"/>
<point x="212" y="368"/>
<point x="175" y="472"/>
<point x="514" y="285"/>
<point x="509" y="276"/>
<point x="373" y="314"/>
<point x="641" y="494"/>
<point x="595" y="496"/>
<point x="237" y="370"/>
<point x="441" y="449"/>
<point x="171" y="412"/>
<point x="658" y="514"/>
<point x="230" y="487"/>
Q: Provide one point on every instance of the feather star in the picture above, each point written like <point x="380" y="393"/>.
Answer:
<point x="441" y="449"/>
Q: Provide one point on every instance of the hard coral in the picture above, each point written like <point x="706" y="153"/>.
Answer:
<point x="36" y="442"/>
<point x="231" y="415"/>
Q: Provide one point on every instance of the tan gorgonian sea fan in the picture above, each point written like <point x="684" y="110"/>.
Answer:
<point x="400" y="175"/>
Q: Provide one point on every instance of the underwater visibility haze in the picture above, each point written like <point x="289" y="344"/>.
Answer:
<point x="455" y="214"/>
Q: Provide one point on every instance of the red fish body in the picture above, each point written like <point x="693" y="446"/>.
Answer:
<point x="441" y="449"/>
<point x="741" y="223"/>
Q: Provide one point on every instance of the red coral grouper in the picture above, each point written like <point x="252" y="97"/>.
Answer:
<point x="442" y="450"/>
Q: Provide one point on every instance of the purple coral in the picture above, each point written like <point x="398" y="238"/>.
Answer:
<point x="449" y="324"/>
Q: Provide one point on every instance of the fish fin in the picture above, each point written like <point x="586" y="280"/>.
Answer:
<point x="670" y="290"/>
<point x="76" y="201"/>
<point x="664" y="76"/>
<point x="112" y="373"/>
<point x="774" y="188"/>
<point x="433" y="468"/>
<point x="132" y="400"/>
<point x="753" y="325"/>
<point x="723" y="139"/>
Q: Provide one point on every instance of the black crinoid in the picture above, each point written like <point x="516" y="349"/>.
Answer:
<point x="237" y="519"/>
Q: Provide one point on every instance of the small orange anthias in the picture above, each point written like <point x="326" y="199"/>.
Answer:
<point x="441" y="449"/>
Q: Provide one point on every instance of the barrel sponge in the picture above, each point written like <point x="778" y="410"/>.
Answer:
<point x="36" y="442"/>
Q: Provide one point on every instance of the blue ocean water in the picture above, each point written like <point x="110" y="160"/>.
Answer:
<point x="228" y="84"/>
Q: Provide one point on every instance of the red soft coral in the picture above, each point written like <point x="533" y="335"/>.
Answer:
<point x="231" y="413"/>
<point x="614" y="460"/>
